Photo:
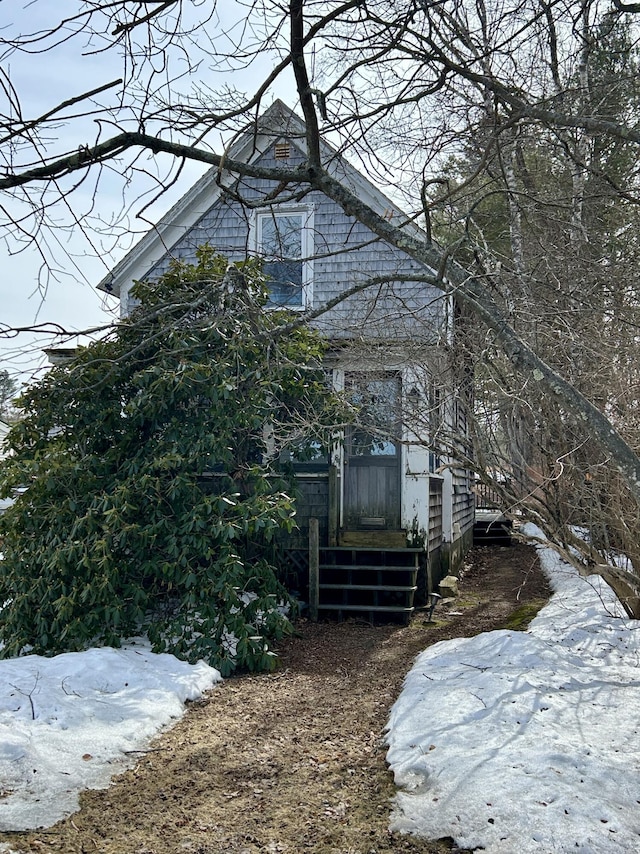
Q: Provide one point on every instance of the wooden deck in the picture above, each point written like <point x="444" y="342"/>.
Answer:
<point x="491" y="525"/>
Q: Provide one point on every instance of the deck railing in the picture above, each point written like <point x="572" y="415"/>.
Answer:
<point x="487" y="498"/>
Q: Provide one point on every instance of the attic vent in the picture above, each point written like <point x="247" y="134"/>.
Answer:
<point x="282" y="151"/>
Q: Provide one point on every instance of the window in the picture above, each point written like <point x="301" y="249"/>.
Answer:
<point x="284" y="239"/>
<point x="307" y="455"/>
<point x="435" y="427"/>
<point x="377" y="429"/>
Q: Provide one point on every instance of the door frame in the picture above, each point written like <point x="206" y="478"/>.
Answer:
<point x="380" y="461"/>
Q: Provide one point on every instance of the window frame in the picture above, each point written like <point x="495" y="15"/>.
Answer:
<point x="306" y="213"/>
<point x="436" y="422"/>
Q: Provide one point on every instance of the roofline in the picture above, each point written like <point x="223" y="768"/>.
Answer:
<point x="249" y="146"/>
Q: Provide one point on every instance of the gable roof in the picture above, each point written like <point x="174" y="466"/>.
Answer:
<point x="277" y="123"/>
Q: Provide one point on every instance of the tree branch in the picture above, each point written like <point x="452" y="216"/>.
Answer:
<point x="302" y="83"/>
<point x="87" y="156"/>
<point x="33" y="123"/>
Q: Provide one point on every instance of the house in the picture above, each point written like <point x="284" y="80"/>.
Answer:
<point x="396" y="489"/>
<point x="4" y="429"/>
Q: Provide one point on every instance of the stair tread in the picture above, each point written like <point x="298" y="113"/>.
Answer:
<point x="381" y="588"/>
<point x="368" y="566"/>
<point x="388" y="608"/>
<point x="391" y="549"/>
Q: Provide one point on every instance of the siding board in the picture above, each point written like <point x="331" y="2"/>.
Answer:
<point x="346" y="254"/>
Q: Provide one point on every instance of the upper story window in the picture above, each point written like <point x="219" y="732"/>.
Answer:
<point x="284" y="239"/>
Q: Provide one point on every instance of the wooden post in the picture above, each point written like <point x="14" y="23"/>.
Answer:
<point x="314" y="569"/>
<point x="333" y="505"/>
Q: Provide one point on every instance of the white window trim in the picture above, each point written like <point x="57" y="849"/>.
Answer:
<point x="307" y="245"/>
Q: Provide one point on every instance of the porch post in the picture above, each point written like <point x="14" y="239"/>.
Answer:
<point x="314" y="569"/>
<point x="333" y="505"/>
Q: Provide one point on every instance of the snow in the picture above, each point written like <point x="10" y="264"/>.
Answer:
<point x="509" y="741"/>
<point x="526" y="741"/>
<point x="71" y="722"/>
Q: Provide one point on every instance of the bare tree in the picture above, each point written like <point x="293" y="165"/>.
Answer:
<point x="407" y="88"/>
<point x="547" y="207"/>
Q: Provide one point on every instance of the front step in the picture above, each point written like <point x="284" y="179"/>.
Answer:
<point x="492" y="530"/>
<point x="369" y="580"/>
<point x="366" y="587"/>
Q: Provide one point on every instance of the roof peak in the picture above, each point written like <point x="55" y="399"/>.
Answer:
<point x="278" y="120"/>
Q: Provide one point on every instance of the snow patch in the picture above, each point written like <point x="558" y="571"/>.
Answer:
<point x="526" y="741"/>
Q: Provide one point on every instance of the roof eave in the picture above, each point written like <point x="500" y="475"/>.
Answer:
<point x="278" y="120"/>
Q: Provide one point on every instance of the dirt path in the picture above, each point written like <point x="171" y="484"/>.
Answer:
<point x="294" y="761"/>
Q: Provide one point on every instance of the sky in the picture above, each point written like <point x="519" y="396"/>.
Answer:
<point x="58" y="288"/>
<point x="508" y="741"/>
<point x="62" y="290"/>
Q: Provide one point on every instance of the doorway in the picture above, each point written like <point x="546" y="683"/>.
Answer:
<point x="372" y="453"/>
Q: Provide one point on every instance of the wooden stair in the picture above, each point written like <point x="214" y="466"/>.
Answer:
<point x="368" y="581"/>
<point x="491" y="529"/>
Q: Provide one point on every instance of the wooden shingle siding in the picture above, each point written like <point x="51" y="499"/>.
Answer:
<point x="463" y="511"/>
<point x="434" y="570"/>
<point x="346" y="255"/>
<point x="435" y="514"/>
<point x="225" y="226"/>
<point x="313" y="502"/>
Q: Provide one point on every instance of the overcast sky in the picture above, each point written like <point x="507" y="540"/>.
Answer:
<point x="69" y="298"/>
<point x="64" y="292"/>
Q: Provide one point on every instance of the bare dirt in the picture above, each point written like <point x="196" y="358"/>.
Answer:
<point x="293" y="761"/>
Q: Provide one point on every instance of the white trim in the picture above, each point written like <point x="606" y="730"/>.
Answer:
<point x="277" y="123"/>
<point x="307" y="243"/>
<point x="447" y="506"/>
<point x="337" y="451"/>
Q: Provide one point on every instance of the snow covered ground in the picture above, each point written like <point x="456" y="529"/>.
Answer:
<point x="527" y="742"/>
<point x="509" y="741"/>
<point x="71" y="722"/>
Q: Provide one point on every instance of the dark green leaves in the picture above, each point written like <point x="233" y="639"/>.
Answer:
<point x="149" y="505"/>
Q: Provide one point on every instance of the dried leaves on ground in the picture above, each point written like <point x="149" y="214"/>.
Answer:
<point x="293" y="761"/>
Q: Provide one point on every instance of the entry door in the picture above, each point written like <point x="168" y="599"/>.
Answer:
<point x="372" y="454"/>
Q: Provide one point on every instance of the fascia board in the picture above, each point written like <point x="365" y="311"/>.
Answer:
<point x="249" y="147"/>
<point x="184" y="214"/>
<point x="152" y="247"/>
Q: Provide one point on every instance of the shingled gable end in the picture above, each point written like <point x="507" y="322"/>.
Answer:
<point x="407" y="502"/>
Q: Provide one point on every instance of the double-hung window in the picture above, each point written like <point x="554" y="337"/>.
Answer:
<point x="284" y="240"/>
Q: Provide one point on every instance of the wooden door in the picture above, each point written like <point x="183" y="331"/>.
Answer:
<point x="372" y="454"/>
